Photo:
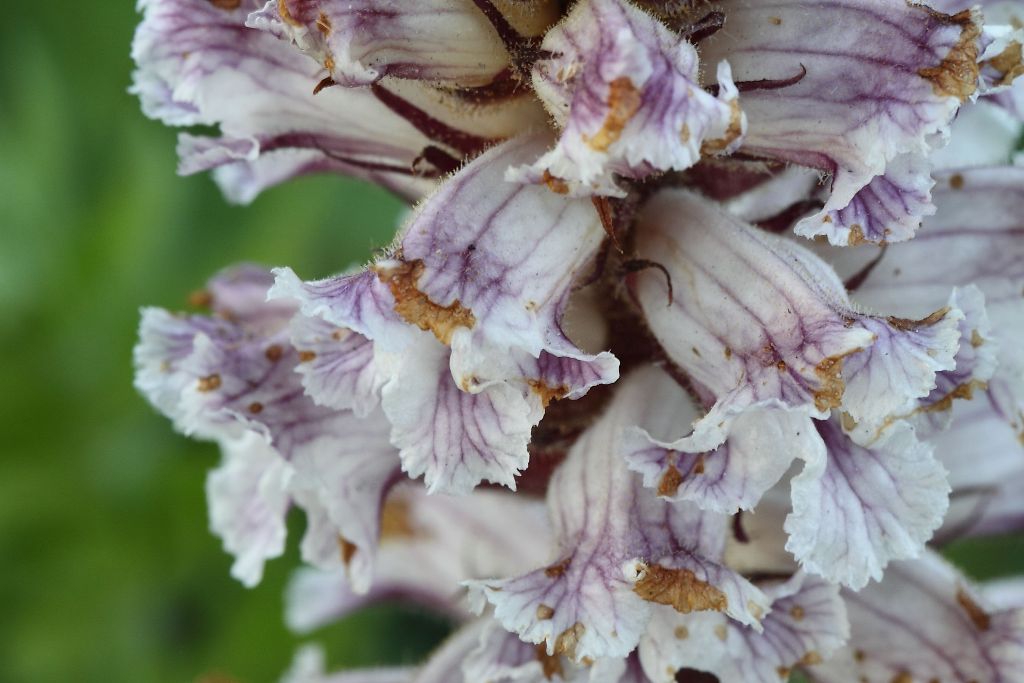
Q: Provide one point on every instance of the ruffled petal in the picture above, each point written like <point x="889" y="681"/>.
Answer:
<point x="453" y="438"/>
<point x="890" y="208"/>
<point x="734" y="476"/>
<point x="437" y="40"/>
<point x="427" y="547"/>
<point x="248" y="498"/>
<point x="198" y="63"/>
<point x="626" y="92"/>
<point x="232" y="379"/>
<point x="466" y="320"/>
<point x="620" y="549"/>
<point x="751" y="317"/>
<point x="975" y="240"/>
<point x="889" y="379"/>
<point x="975" y="362"/>
<point x="859" y="508"/>
<point x="341" y="478"/>
<point x="336" y="365"/>
<point x="762" y="323"/>
<point x="924" y="622"/>
<point x="881" y="80"/>
<point x="806" y="624"/>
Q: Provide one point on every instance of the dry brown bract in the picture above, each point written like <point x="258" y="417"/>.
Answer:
<point x="416" y="308"/>
<point x="679" y="588"/>
<point x="957" y="74"/>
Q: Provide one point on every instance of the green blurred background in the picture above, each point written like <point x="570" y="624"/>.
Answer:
<point x="107" y="570"/>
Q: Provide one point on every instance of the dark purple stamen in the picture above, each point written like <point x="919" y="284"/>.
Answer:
<point x="439" y="159"/>
<point x="637" y="265"/>
<point x="784" y="219"/>
<point x="705" y="27"/>
<point x="764" y="83"/>
<point x="858" y="278"/>
<point x="436" y="130"/>
<point x="524" y="50"/>
<point x="506" y="85"/>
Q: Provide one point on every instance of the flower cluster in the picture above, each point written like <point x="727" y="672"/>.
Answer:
<point x="735" y="287"/>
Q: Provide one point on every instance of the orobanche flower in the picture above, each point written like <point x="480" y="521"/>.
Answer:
<point x="736" y="288"/>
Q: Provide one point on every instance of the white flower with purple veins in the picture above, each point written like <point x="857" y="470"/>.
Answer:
<point x="736" y="288"/>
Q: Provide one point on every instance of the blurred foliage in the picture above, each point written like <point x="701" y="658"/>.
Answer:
<point x="107" y="570"/>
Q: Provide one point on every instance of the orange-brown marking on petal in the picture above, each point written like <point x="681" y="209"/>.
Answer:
<point x="396" y="520"/>
<point x="979" y="617"/>
<point x="679" y="588"/>
<point x="545" y="612"/>
<point x="417" y="308"/>
<point x="957" y="74"/>
<point x="323" y="24"/>
<point x="670" y="481"/>
<point x="1008" y="63"/>
<point x="274" y="353"/>
<point x="961" y="391"/>
<point x="856" y="236"/>
<point x="557" y="570"/>
<point x="907" y="325"/>
<point x="956" y="181"/>
<point x="902" y="677"/>
<point x="682" y="633"/>
<point x="550" y="665"/>
<point x="209" y="383"/>
<point x="797" y="612"/>
<point x="623" y="101"/>
<point x="811" y="658"/>
<point x="255" y="407"/>
<point x="565" y="643"/>
<point x="783" y="671"/>
<point x="307" y="356"/>
<point x="830" y="372"/>
<point x="226" y="4"/>
<point x="347" y="549"/>
<point x="734" y="130"/>
<point x="976" y="339"/>
<point x="554" y="183"/>
<point x="547" y="394"/>
<point x="286" y="15"/>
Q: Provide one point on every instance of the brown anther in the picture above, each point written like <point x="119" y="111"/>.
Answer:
<point x="209" y="383"/>
<point x="327" y="82"/>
